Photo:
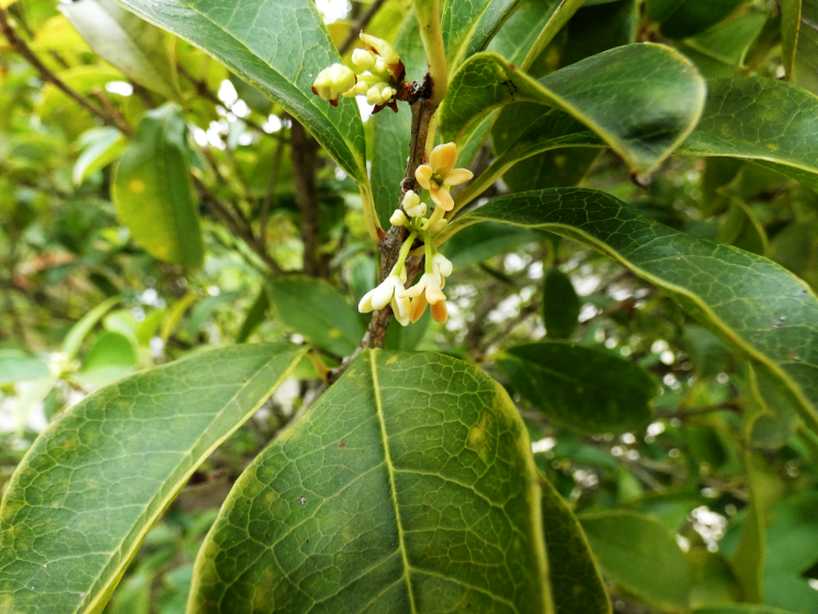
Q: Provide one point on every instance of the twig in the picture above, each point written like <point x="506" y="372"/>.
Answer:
<point x="304" y="152"/>
<point x="359" y="26"/>
<point x="47" y="75"/>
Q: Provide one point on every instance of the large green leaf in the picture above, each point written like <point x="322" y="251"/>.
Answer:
<point x="770" y="122"/>
<point x="531" y="27"/>
<point x="87" y="492"/>
<point x="588" y="389"/>
<point x="683" y="18"/>
<point x="759" y="306"/>
<point x="468" y="25"/>
<point x="277" y="45"/>
<point x="799" y="37"/>
<point x="152" y="190"/>
<point x="767" y="121"/>
<point x="140" y="51"/>
<point x="642" y="99"/>
<point x="639" y="554"/>
<point x="317" y="310"/>
<point x="408" y="487"/>
<point x="575" y="578"/>
<point x="560" y="305"/>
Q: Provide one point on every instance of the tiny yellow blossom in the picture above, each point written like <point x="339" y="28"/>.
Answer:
<point x="439" y="175"/>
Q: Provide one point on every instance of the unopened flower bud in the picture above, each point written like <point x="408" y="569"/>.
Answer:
<point x="363" y="59"/>
<point x="381" y="47"/>
<point x="333" y="81"/>
<point x="398" y="218"/>
<point x="380" y="94"/>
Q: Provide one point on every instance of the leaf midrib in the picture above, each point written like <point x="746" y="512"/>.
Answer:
<point x="390" y="470"/>
<point x="127" y="556"/>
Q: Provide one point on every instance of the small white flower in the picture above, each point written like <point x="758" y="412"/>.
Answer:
<point x="381" y="295"/>
<point x="412" y="204"/>
<point x="442" y="265"/>
<point x="398" y="218"/>
<point x="401" y="307"/>
<point x="380" y="93"/>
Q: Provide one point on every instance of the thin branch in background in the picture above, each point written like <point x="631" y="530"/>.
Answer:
<point x="304" y="152"/>
<point x="359" y="26"/>
<point x="46" y="74"/>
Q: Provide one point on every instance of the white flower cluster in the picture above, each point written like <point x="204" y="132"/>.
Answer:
<point x="377" y="70"/>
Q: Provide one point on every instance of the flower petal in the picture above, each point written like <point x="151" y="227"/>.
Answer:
<point x="440" y="312"/>
<point x="443" y="158"/>
<point x="423" y="174"/>
<point x="458" y="176"/>
<point x="365" y="304"/>
<point x="418" y="307"/>
<point x="442" y="198"/>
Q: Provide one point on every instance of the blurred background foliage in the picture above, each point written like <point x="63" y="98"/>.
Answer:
<point x="92" y="291"/>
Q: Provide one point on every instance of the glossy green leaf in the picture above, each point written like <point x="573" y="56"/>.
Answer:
<point x="767" y="121"/>
<point x="531" y="27"/>
<point x="153" y="193"/>
<point x="255" y="315"/>
<point x="482" y="242"/>
<point x="585" y="388"/>
<point x="759" y="307"/>
<point x="315" y="309"/>
<point x="640" y="555"/>
<point x="279" y="46"/>
<point x="408" y="487"/>
<point x="96" y="480"/>
<point x="101" y="147"/>
<point x="140" y="51"/>
<point x="575" y="579"/>
<point x="799" y="38"/>
<point x="642" y="124"/>
<point x="730" y="41"/>
<point x="560" y="305"/>
<point x="468" y="25"/>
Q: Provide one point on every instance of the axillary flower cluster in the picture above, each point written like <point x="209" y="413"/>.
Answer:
<point x="379" y="72"/>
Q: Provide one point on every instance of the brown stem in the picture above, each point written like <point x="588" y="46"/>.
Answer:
<point x="47" y="75"/>
<point x="359" y="26"/>
<point x="304" y="152"/>
<point x="422" y="111"/>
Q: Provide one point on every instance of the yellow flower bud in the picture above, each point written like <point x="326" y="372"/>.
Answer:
<point x="333" y="81"/>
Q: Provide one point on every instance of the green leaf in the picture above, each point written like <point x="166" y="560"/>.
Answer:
<point x="315" y="309"/>
<point x="111" y="357"/>
<point x="482" y="242"/>
<point x="101" y="146"/>
<point x="759" y="307"/>
<point x="468" y="25"/>
<point x="730" y="41"/>
<point x="152" y="190"/>
<point x="575" y="578"/>
<point x="408" y="487"/>
<point x="80" y="503"/>
<point x="767" y="121"/>
<point x="799" y="38"/>
<point x="560" y="305"/>
<point x="255" y="315"/>
<point x="140" y="51"/>
<point x="753" y="118"/>
<point x="76" y="335"/>
<point x="588" y="389"/>
<point x="531" y="27"/>
<point x="642" y="124"/>
<point x="279" y="46"/>
<point x="639" y="554"/>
